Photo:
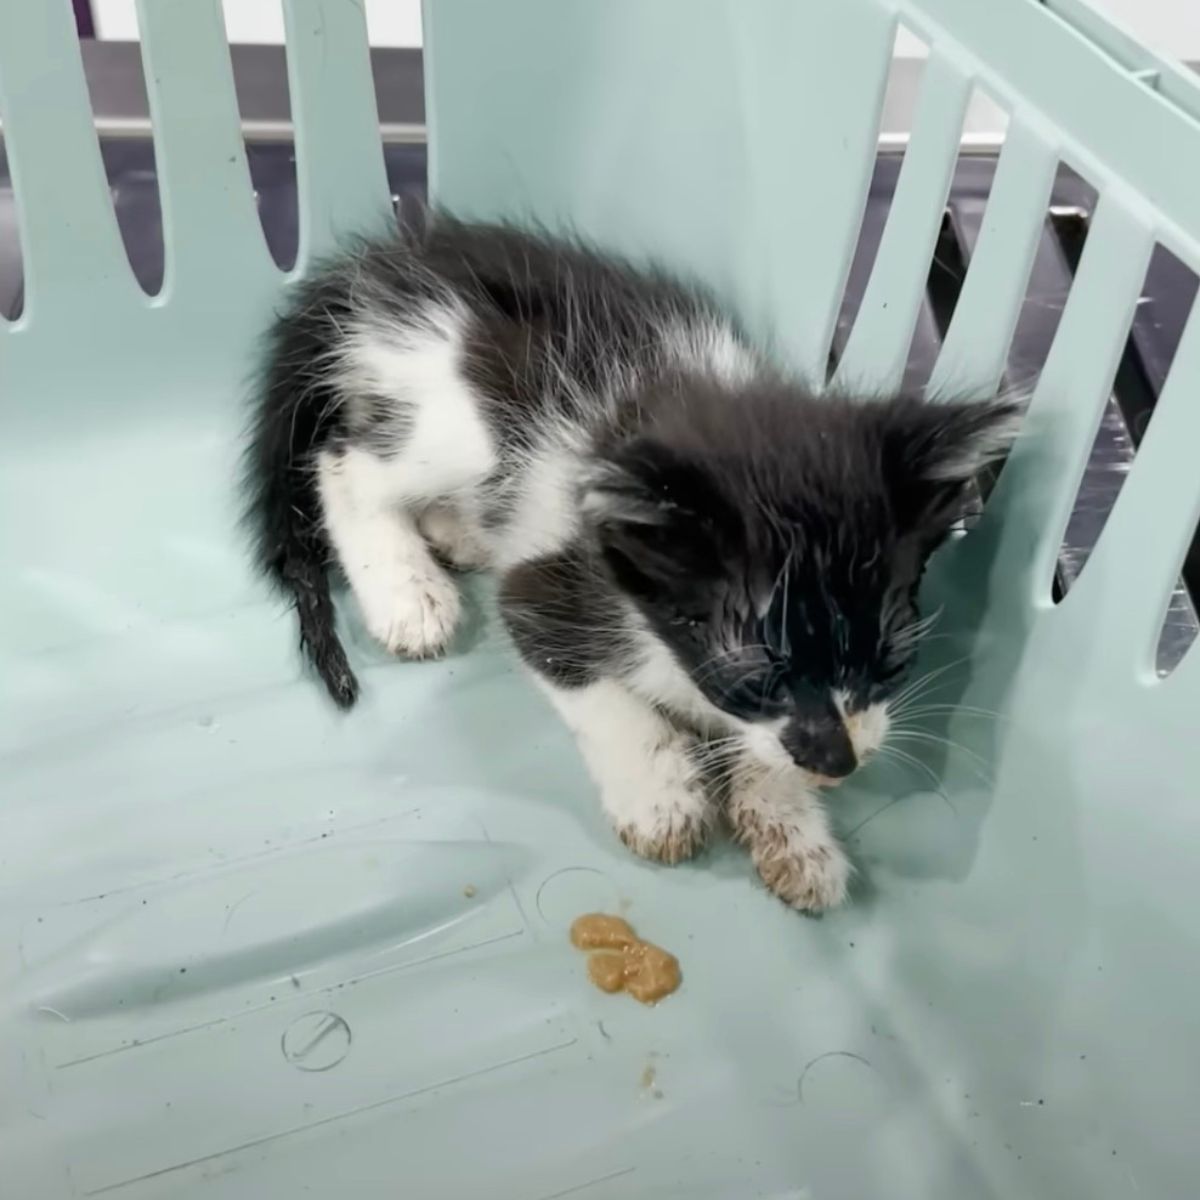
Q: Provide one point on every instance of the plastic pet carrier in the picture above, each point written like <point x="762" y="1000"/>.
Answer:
<point x="251" y="948"/>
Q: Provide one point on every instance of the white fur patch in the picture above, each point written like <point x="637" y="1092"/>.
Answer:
<point x="649" y="783"/>
<point x="544" y="516"/>
<point x="447" y="447"/>
<point x="710" y="346"/>
<point x="659" y="679"/>
<point x="867" y="728"/>
<point x="762" y="740"/>
<point x="436" y="446"/>
<point x="451" y="529"/>
<point x="408" y="602"/>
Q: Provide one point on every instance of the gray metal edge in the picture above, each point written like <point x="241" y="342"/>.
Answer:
<point x="118" y="91"/>
<point x="115" y="80"/>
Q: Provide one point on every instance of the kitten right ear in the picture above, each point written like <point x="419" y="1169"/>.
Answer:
<point x="950" y="441"/>
<point x="933" y="449"/>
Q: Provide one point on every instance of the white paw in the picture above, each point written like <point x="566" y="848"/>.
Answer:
<point x="661" y="811"/>
<point x="416" y="617"/>
<point x="809" y="875"/>
<point x="790" y="844"/>
<point x="673" y="831"/>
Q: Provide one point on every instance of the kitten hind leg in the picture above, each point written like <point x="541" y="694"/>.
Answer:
<point x="408" y="601"/>
<point x="783" y="824"/>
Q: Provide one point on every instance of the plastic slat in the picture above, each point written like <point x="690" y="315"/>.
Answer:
<point x="879" y="343"/>
<point x="810" y="223"/>
<point x="339" y="156"/>
<point x="1038" y="488"/>
<point x="1112" y="123"/>
<point x="754" y="189"/>
<point x="1136" y="563"/>
<point x="73" y="257"/>
<point x="204" y="181"/>
<point x="975" y="351"/>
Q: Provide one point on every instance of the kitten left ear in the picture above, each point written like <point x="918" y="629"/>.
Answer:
<point x="655" y="515"/>
<point x="645" y="483"/>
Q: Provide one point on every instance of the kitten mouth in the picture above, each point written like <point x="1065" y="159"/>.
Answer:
<point x="826" y="781"/>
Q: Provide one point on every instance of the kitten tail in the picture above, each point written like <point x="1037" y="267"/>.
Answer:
<point x="294" y="412"/>
<point x="308" y="582"/>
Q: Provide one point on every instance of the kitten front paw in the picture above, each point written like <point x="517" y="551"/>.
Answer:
<point x="416" y="619"/>
<point x="662" y="813"/>
<point x="673" y="838"/>
<point x="811" y="876"/>
<point x="792" y="849"/>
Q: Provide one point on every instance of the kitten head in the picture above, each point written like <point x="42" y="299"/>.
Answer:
<point x="774" y="542"/>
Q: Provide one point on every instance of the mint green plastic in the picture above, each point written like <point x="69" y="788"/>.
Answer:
<point x="252" y="949"/>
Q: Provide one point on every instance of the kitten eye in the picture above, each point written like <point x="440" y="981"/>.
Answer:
<point x="887" y="680"/>
<point x="758" y="694"/>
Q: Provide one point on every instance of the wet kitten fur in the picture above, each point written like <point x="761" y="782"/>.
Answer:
<point x="710" y="570"/>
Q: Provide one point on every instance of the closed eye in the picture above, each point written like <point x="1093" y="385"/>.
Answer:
<point x="760" y="693"/>
<point x="887" y="679"/>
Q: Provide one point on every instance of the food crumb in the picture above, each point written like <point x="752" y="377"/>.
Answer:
<point x="649" y="1074"/>
<point x="470" y="890"/>
<point x="623" y="961"/>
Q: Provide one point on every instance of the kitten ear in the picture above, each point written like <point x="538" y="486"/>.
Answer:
<point x="644" y="482"/>
<point x="954" y="441"/>
<point x="658" y="517"/>
<point x="932" y="450"/>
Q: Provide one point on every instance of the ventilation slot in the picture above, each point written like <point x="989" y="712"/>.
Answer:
<point x="399" y="27"/>
<point x="905" y="73"/>
<point x="259" y="77"/>
<point x="984" y="131"/>
<point x="12" y="271"/>
<point x="129" y="162"/>
<point x="908" y="189"/>
<point x="1167" y="297"/>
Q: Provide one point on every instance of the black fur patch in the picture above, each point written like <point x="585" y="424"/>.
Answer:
<point x="559" y="611"/>
<point x="775" y="539"/>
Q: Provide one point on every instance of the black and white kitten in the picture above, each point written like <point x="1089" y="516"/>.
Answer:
<point x="711" y="570"/>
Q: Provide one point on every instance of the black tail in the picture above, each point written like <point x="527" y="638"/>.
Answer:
<point x="308" y="582"/>
<point x="295" y="414"/>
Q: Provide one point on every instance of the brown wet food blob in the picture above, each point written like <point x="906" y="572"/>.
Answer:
<point x="598" y="931"/>
<point x="623" y="962"/>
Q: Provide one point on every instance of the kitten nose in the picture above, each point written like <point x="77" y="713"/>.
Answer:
<point x="823" y="748"/>
<point x="832" y="760"/>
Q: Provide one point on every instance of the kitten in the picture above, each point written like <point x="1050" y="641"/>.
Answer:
<point x="710" y="569"/>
